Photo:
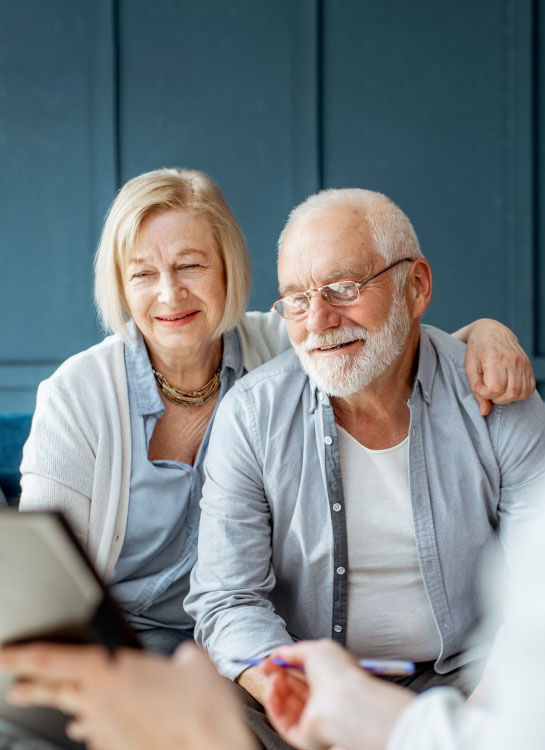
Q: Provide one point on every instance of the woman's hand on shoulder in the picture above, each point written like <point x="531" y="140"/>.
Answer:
<point x="497" y="367"/>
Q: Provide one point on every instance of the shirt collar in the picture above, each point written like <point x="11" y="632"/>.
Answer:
<point x="232" y="354"/>
<point x="316" y="395"/>
<point x="141" y="380"/>
<point x="427" y="366"/>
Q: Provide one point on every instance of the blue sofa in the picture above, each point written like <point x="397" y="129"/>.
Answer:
<point x="14" y="429"/>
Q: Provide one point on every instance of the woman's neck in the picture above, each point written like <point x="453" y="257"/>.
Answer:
<point x="188" y="371"/>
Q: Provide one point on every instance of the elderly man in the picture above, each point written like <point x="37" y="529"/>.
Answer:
<point x="352" y="483"/>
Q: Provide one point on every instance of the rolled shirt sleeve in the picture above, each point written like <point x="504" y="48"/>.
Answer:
<point x="232" y="580"/>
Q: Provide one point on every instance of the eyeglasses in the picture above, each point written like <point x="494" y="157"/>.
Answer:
<point x="338" y="294"/>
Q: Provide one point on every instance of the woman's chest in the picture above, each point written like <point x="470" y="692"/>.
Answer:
<point x="179" y="433"/>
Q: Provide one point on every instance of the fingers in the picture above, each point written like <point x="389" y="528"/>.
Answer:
<point x="81" y="731"/>
<point x="504" y="382"/>
<point x="51" y="662"/>
<point x="299" y="653"/>
<point x="190" y="656"/>
<point x="64" y="696"/>
<point x="500" y="379"/>
<point x="497" y="367"/>
<point x="285" y="704"/>
<point x="494" y="379"/>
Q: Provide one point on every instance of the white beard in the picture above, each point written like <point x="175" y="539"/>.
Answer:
<point x="344" y="374"/>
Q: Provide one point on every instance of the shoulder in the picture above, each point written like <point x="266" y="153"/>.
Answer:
<point x="521" y="423"/>
<point x="441" y="360"/>
<point x="91" y="384"/>
<point x="276" y="385"/>
<point x="262" y="336"/>
<point x="96" y="364"/>
<point x="284" y="368"/>
<point x="446" y="346"/>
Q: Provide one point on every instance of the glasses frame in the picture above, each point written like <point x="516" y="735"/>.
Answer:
<point x="359" y="284"/>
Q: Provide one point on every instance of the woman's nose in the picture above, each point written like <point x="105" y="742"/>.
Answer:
<point x="170" y="288"/>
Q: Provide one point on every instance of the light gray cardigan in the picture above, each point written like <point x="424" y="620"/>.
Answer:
<point x="77" y="458"/>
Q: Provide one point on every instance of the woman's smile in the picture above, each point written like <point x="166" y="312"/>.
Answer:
<point x="177" y="319"/>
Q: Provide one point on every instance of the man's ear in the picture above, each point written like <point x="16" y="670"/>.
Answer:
<point x="419" y="285"/>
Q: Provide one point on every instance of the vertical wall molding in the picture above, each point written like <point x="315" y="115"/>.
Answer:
<point x="539" y="183"/>
<point x="64" y="149"/>
<point x="320" y="63"/>
<point x="519" y="175"/>
<point x="116" y="84"/>
<point x="104" y="160"/>
<point x="307" y="102"/>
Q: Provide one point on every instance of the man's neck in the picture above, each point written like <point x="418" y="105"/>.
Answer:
<point x="378" y="415"/>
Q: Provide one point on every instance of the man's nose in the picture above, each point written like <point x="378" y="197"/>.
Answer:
<point x="321" y="315"/>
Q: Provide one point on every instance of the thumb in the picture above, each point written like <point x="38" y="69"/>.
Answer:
<point x="485" y="405"/>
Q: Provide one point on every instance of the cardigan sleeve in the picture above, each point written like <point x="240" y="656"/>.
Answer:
<point x="77" y="459"/>
<point x="58" y="462"/>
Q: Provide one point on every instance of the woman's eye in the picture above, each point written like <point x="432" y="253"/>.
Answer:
<point x="141" y="274"/>
<point x="188" y="266"/>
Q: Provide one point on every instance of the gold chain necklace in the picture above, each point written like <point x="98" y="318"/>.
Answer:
<point x="189" y="398"/>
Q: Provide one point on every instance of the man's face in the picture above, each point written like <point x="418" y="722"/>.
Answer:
<point x="366" y="336"/>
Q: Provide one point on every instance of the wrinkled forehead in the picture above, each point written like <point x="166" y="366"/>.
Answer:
<point x="318" y="249"/>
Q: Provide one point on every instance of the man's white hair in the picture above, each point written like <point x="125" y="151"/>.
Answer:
<point x="392" y="233"/>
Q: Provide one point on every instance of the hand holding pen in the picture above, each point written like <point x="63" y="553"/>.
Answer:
<point x="338" y="704"/>
<point x="386" y="667"/>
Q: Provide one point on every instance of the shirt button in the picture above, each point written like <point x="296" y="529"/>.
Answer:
<point x="328" y="440"/>
<point x="340" y="570"/>
<point x="337" y="507"/>
<point x="338" y="628"/>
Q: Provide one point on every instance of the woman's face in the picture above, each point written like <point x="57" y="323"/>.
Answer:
<point x="175" y="283"/>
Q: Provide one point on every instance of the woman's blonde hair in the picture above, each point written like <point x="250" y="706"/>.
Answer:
<point x="162" y="190"/>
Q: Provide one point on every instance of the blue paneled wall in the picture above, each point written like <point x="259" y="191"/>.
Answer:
<point x="438" y="104"/>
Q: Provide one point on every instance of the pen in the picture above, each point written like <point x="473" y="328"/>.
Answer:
<point x="375" y="666"/>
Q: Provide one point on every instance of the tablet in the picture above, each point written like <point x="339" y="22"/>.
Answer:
<point x="50" y="591"/>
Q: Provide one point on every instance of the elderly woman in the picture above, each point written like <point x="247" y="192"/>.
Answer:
<point x="121" y="430"/>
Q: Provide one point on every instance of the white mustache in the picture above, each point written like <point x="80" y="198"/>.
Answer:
<point x="334" y="338"/>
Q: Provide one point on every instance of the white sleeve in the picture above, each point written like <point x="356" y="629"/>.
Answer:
<point x="262" y="337"/>
<point x="440" y="719"/>
<point x="58" y="463"/>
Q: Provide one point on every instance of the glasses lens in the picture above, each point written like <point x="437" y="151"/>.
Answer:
<point x="292" y="306"/>
<point x="342" y="293"/>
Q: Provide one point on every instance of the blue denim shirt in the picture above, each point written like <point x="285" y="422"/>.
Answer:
<point x="272" y="542"/>
<point x="151" y="576"/>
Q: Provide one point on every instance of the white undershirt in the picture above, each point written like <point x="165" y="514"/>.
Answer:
<point x="389" y="614"/>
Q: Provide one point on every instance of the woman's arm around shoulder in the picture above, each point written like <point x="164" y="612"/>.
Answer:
<point x="497" y="367"/>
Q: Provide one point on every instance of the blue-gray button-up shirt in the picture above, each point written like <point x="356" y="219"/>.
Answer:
<point x="151" y="576"/>
<point x="273" y="532"/>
